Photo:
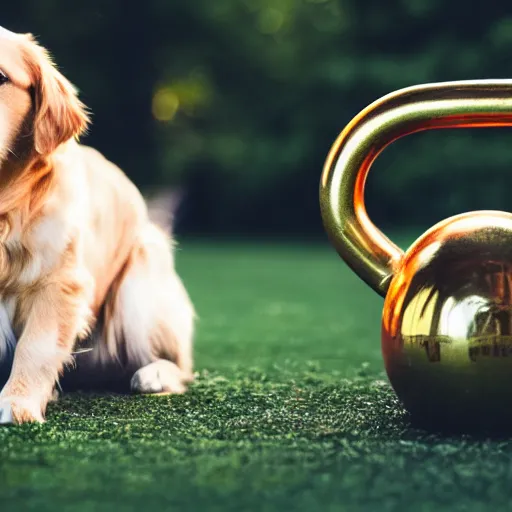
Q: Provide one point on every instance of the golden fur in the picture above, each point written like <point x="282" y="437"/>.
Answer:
<point x="79" y="255"/>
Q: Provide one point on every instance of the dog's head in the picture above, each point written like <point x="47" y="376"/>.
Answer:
<point x="37" y="103"/>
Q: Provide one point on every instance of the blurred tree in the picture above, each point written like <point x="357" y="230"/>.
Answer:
<point x="240" y="100"/>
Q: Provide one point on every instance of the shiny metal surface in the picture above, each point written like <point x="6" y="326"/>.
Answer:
<point x="447" y="318"/>
<point x="464" y="104"/>
<point x="447" y="321"/>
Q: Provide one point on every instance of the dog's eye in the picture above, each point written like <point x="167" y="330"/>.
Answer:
<point x="3" y="78"/>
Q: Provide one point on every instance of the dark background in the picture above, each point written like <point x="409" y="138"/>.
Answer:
<point x="238" y="101"/>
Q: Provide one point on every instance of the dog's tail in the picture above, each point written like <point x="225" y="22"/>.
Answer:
<point x="163" y="207"/>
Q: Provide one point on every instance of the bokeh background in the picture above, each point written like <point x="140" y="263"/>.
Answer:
<point x="237" y="102"/>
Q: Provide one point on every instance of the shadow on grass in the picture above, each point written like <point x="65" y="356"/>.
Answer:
<point x="249" y="407"/>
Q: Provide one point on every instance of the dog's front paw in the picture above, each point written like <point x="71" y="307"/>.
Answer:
<point x="160" y="377"/>
<point x="16" y="410"/>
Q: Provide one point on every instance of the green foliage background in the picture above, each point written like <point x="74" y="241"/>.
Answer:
<point x="238" y="101"/>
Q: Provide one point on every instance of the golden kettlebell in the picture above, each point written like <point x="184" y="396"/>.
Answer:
<point x="447" y="317"/>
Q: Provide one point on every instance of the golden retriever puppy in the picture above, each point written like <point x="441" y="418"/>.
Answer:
<point x="80" y="258"/>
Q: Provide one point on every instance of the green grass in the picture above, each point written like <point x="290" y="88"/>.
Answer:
<point x="291" y="411"/>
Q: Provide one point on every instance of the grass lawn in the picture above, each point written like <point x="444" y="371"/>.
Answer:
<point x="291" y="411"/>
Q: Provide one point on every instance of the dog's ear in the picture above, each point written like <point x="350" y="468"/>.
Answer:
<point x="59" y="114"/>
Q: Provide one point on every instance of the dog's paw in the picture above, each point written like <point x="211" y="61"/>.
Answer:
<point x="15" y="410"/>
<point x="159" y="377"/>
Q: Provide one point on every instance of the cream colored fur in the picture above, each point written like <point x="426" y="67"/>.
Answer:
<point x="80" y="258"/>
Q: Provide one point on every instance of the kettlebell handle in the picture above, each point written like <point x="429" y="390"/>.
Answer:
<point x="462" y="104"/>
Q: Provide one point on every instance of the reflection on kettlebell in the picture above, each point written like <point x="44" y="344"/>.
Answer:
<point x="447" y="317"/>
